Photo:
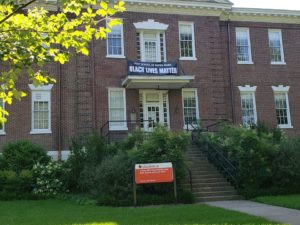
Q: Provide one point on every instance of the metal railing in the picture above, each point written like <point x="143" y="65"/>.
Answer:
<point x="215" y="155"/>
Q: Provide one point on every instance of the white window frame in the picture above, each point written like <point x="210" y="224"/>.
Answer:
<point x="121" y="56"/>
<point x="282" y="62"/>
<point x="185" y="126"/>
<point x="2" y="131"/>
<point x="118" y="128"/>
<point x="46" y="89"/>
<point x="283" y="90"/>
<point x="193" y="41"/>
<point x="247" y="89"/>
<point x="247" y="30"/>
<point x="158" y="50"/>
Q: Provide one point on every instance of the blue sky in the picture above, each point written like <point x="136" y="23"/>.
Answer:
<point x="272" y="4"/>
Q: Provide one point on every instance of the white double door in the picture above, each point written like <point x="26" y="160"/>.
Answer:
<point x="155" y="109"/>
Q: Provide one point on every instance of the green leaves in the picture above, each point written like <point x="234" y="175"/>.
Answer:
<point x="28" y="41"/>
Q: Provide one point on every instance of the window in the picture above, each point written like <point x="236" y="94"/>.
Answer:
<point x="190" y="107"/>
<point x="115" y="42"/>
<point x="151" y="46"/>
<point x="282" y="107"/>
<point x="2" y="130"/>
<point x="248" y="105"/>
<point x="187" y="40"/>
<point x="276" y="47"/>
<point x="40" y="109"/>
<point x="243" y="46"/>
<point x="117" y="109"/>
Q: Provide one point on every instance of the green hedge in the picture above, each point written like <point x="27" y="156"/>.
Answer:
<point x="265" y="160"/>
<point x="106" y="171"/>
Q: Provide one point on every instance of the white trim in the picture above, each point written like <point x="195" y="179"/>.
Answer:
<point x="116" y="56"/>
<point x="282" y="62"/>
<point x="195" y="90"/>
<point x="247" y="89"/>
<point x="122" y="55"/>
<point x="247" y="30"/>
<point x="118" y="128"/>
<point x="45" y="89"/>
<point x="265" y="12"/>
<point x="194" y="57"/>
<point x="280" y="89"/>
<point x="40" y="88"/>
<point x="144" y="92"/>
<point x="150" y="24"/>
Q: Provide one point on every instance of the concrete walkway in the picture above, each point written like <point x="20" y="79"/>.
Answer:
<point x="273" y="213"/>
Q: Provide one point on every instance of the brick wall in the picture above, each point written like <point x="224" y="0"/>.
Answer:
<point x="85" y="80"/>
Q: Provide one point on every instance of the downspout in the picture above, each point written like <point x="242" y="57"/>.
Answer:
<point x="94" y="116"/>
<point x="59" y="142"/>
<point x="230" y="71"/>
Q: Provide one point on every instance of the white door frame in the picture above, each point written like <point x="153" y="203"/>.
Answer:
<point x="159" y="104"/>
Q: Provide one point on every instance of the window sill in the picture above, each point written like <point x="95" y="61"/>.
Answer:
<point x="278" y="63"/>
<point x="118" y="129"/>
<point x="188" y="58"/>
<point x="245" y="63"/>
<point x="41" y="132"/>
<point x="115" y="56"/>
<point x="285" y="126"/>
<point x="195" y="126"/>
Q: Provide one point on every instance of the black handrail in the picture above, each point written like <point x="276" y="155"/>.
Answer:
<point x="217" y="157"/>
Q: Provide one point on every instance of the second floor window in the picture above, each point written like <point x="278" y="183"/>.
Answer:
<point x="186" y="40"/>
<point x="151" y="46"/>
<point x="276" y="47"/>
<point x="243" y="46"/>
<point x="115" y="45"/>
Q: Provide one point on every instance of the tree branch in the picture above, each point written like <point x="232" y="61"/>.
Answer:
<point x="17" y="10"/>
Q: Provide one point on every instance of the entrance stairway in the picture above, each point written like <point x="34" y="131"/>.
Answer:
<point x="208" y="184"/>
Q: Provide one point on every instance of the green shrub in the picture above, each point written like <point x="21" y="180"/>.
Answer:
<point x="49" y="179"/>
<point x="21" y="155"/>
<point x="87" y="151"/>
<point x="163" y="146"/>
<point x="11" y="182"/>
<point x="265" y="159"/>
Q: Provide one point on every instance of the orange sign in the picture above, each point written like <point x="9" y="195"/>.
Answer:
<point x="154" y="173"/>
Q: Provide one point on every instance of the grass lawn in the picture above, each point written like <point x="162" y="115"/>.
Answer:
<point x="56" y="212"/>
<point x="289" y="201"/>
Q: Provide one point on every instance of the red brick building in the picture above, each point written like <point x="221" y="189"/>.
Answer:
<point x="173" y="62"/>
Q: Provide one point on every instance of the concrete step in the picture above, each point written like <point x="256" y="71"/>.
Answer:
<point x="214" y="193"/>
<point x="208" y="180"/>
<point x="206" y="176"/>
<point x="227" y="187"/>
<point x="217" y="198"/>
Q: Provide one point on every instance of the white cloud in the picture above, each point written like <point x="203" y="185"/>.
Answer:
<point x="271" y="4"/>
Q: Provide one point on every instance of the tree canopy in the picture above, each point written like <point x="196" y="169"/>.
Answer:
<point x="32" y="36"/>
